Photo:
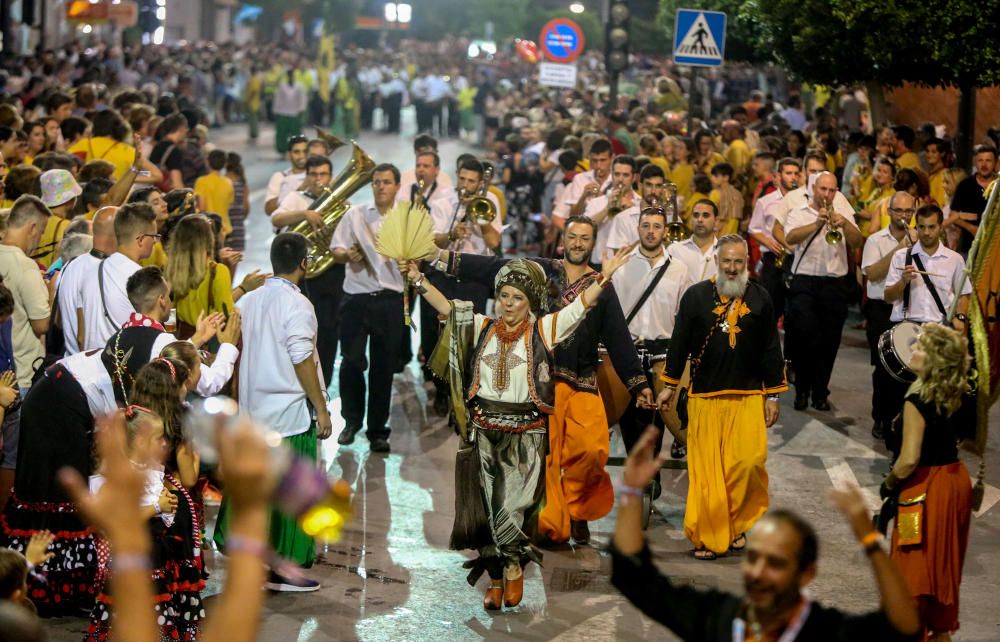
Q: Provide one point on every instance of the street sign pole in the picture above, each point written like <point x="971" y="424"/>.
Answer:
<point x="699" y="41"/>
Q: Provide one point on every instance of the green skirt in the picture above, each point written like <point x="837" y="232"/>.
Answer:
<point x="287" y="539"/>
<point x="284" y="128"/>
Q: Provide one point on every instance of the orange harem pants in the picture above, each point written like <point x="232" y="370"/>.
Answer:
<point x="727" y="488"/>
<point x="576" y="484"/>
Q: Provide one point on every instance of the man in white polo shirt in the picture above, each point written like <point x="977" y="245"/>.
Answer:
<point x="104" y="297"/>
<point x="880" y="248"/>
<point x="697" y="252"/>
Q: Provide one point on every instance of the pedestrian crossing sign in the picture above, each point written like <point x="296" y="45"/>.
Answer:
<point x="699" y="37"/>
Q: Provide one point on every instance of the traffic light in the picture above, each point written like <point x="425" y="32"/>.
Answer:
<point x="616" y="37"/>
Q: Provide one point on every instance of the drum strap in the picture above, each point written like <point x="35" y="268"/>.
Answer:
<point x="927" y="282"/>
<point x="648" y="291"/>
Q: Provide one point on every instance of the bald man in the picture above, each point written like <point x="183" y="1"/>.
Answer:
<point x="78" y="271"/>
<point x="819" y="291"/>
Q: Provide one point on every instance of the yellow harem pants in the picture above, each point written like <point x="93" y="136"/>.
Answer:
<point x="576" y="484"/>
<point x="727" y="449"/>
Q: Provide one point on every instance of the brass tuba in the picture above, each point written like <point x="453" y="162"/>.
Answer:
<point x="331" y="141"/>
<point x="332" y="204"/>
<point x="480" y="208"/>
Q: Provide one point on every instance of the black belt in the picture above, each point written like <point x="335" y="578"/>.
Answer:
<point x="376" y="293"/>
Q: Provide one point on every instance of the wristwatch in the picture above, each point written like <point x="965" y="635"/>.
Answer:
<point x="962" y="317"/>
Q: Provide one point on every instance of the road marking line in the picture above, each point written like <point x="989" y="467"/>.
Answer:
<point x="841" y="474"/>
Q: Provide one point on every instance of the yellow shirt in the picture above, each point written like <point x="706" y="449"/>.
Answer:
<point x="158" y="258"/>
<point x="119" y="154"/>
<point x="706" y="167"/>
<point x="833" y="161"/>
<point x="217" y="193"/>
<point x="254" y="91"/>
<point x="48" y="246"/>
<point x="738" y="155"/>
<point x="196" y="301"/>
<point x="909" y="160"/>
<point x="662" y="163"/>
<point x="681" y="175"/>
<point x="936" y="181"/>
<point x="878" y="205"/>
<point x="6" y="204"/>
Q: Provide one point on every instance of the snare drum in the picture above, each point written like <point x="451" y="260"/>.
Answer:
<point x="895" y="350"/>
<point x="614" y="394"/>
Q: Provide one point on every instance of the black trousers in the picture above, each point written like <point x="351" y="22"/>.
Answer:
<point x="391" y="106"/>
<point x="771" y="280"/>
<point x="814" y="322"/>
<point x="325" y="292"/>
<point x="367" y="109"/>
<point x="887" y="393"/>
<point x="422" y="116"/>
<point x="430" y="328"/>
<point x="373" y="324"/>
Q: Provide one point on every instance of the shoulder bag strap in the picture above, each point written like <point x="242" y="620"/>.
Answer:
<point x="696" y="361"/>
<point x="648" y="291"/>
<point x="799" y="256"/>
<point x="100" y="286"/>
<point x="930" y="286"/>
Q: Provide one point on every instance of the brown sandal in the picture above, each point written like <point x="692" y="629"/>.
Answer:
<point x="739" y="543"/>
<point x="705" y="555"/>
<point x="494" y="596"/>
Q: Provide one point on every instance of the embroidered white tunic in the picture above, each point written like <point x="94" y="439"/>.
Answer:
<point x="556" y="327"/>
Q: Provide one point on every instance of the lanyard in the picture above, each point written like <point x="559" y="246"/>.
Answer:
<point x="791" y="631"/>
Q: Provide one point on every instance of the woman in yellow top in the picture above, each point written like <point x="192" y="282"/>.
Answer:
<point x="681" y="170"/>
<point x="915" y="184"/>
<point x="109" y="142"/>
<point x="870" y="215"/>
<point x="199" y="285"/>
<point x="707" y="157"/>
<point x="38" y="142"/>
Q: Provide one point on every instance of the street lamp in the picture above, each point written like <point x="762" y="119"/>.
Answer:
<point x="398" y="12"/>
<point x="576" y="7"/>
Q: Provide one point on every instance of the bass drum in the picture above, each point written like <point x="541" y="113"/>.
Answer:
<point x="895" y="350"/>
<point x="614" y="394"/>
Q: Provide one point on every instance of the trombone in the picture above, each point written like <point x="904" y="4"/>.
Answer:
<point x="480" y="209"/>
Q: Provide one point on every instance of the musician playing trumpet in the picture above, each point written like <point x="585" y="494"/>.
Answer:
<point x="772" y="251"/>
<point x="819" y="292"/>
<point x="618" y="196"/>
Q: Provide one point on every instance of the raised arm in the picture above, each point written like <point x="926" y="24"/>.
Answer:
<point x="425" y="288"/>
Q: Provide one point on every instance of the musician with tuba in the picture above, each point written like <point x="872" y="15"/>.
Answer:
<point x="323" y="290"/>
<point x="617" y="197"/>
<point x="819" y="291"/>
<point x="373" y="301"/>
<point x="772" y="252"/>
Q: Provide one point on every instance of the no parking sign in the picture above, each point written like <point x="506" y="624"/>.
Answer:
<point x="561" y="40"/>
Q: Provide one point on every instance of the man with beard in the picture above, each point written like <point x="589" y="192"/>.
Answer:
<point x="761" y="229"/>
<point x="728" y="330"/>
<point x="779" y="565"/>
<point x="577" y="487"/>
<point x="887" y="393"/>
<point x="284" y="182"/>
<point x="649" y="286"/>
<point x="603" y="209"/>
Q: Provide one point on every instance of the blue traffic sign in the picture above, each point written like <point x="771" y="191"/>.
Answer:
<point x="699" y="37"/>
<point x="561" y="40"/>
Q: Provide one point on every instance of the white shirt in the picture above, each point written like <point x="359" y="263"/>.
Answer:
<point x="409" y="177"/>
<point x="594" y="207"/>
<point x="946" y="266"/>
<point x="280" y="325"/>
<point x="360" y="226"/>
<point x="762" y="219"/>
<point x="292" y="202"/>
<point x="70" y="292"/>
<point x="566" y="321"/>
<point x="474" y="243"/>
<point x="89" y="371"/>
<point x="821" y="259"/>
<point x="442" y="189"/>
<point x="574" y="191"/>
<point x="96" y="326"/>
<point x="877" y="246"/>
<point x="655" y="319"/>
<point x="283" y="183"/>
<point x="700" y="265"/>
<point x="802" y="196"/>
<point x="624" y="229"/>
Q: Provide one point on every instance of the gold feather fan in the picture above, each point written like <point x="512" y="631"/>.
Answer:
<point x="406" y="235"/>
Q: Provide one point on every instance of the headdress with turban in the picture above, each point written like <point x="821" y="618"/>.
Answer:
<point x="527" y="276"/>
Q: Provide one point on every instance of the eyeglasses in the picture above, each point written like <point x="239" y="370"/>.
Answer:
<point x="155" y="237"/>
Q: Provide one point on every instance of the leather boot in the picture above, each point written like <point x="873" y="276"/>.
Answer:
<point x="494" y="595"/>
<point x="513" y="590"/>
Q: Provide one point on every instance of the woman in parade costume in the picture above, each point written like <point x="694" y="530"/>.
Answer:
<point x="500" y="373"/>
<point x="931" y="484"/>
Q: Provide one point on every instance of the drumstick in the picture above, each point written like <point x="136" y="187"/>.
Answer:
<point x="927" y="273"/>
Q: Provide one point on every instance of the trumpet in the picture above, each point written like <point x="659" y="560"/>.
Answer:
<point x="615" y="200"/>
<point x="779" y="259"/>
<point x="480" y="209"/>
<point x="834" y="236"/>
<point x="417" y="194"/>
